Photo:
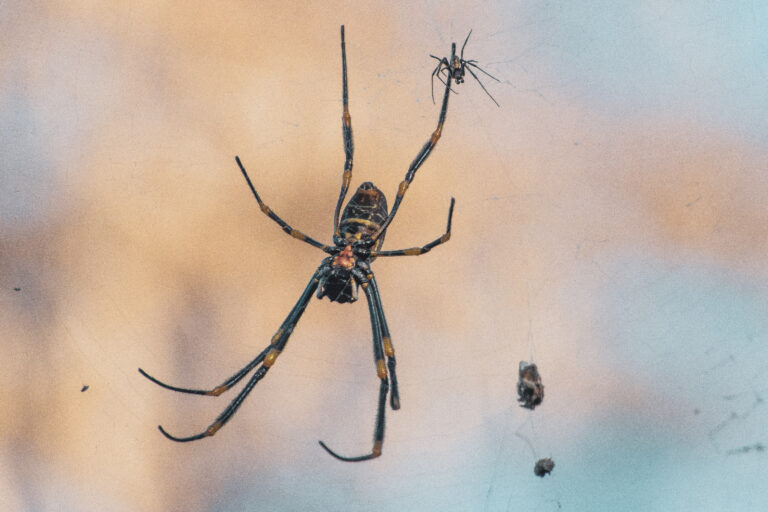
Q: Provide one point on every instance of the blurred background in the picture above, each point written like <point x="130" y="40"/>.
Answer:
<point x="611" y="224"/>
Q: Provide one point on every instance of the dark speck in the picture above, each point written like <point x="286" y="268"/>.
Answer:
<point x="85" y="388"/>
<point x="758" y="447"/>
<point x="17" y="289"/>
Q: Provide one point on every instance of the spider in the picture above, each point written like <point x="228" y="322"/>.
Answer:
<point x="455" y="67"/>
<point x="358" y="234"/>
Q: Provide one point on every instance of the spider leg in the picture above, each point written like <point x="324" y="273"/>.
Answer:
<point x="439" y="69"/>
<point x="415" y="251"/>
<point x="473" y="63"/>
<point x="442" y="67"/>
<point x="432" y="79"/>
<point x="267" y="358"/>
<point x="225" y="416"/>
<point x="442" y="80"/>
<point x="420" y="157"/>
<point x="461" y="56"/>
<point x="295" y="233"/>
<point x="226" y="385"/>
<point x="386" y="340"/>
<point x="381" y="371"/>
<point x="378" y="436"/>
<point x="349" y="147"/>
<point x="481" y="85"/>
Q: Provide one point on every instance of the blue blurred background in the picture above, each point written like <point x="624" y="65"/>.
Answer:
<point x="611" y="225"/>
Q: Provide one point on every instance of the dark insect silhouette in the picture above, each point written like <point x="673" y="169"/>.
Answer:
<point x="543" y="467"/>
<point x="358" y="234"/>
<point x="530" y="390"/>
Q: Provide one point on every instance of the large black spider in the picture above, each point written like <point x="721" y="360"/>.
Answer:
<point x="357" y="238"/>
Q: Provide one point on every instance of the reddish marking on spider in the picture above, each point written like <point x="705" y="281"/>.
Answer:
<point x="345" y="259"/>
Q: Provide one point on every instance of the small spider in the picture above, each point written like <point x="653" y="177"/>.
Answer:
<point x="456" y="66"/>
<point x="530" y="390"/>
<point x="358" y="234"/>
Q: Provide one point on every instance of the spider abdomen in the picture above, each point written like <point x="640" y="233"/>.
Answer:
<point x="364" y="214"/>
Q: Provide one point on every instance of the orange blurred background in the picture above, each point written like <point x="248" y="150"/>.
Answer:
<point x="613" y="231"/>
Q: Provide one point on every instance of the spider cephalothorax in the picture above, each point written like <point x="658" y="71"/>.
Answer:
<point x="358" y="235"/>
